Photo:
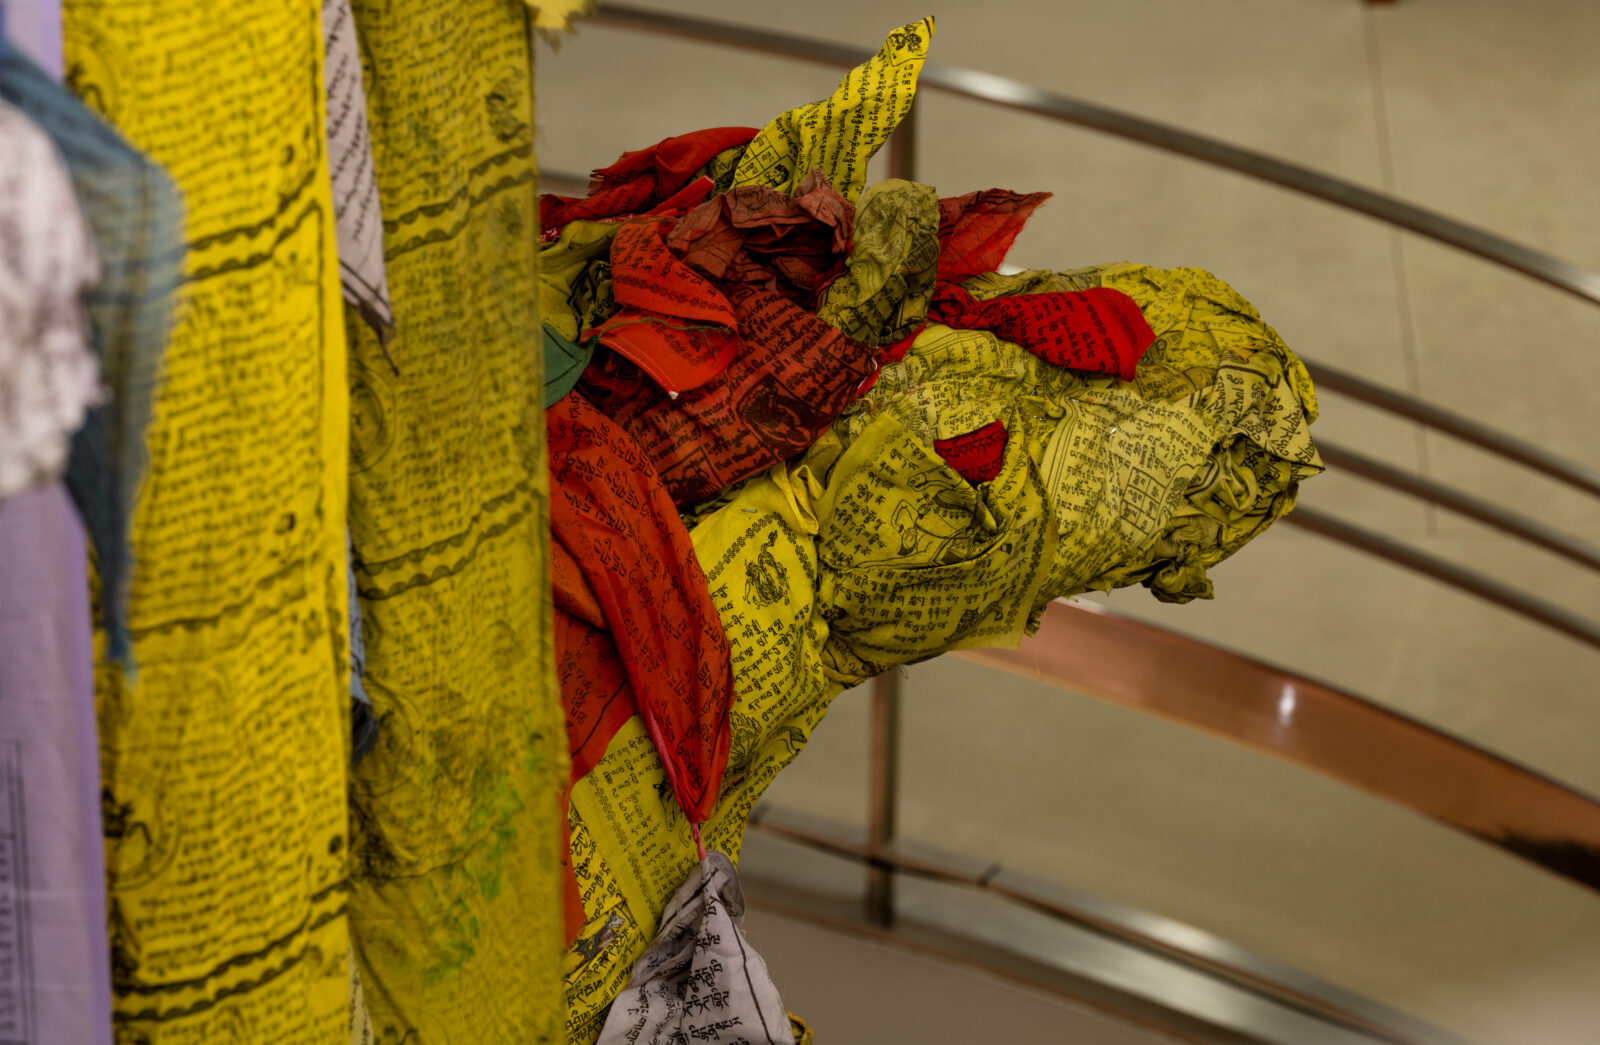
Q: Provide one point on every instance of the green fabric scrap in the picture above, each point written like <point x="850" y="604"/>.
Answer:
<point x="564" y="363"/>
<point x="894" y="253"/>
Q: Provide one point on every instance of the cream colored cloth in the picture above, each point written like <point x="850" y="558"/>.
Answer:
<point x="700" y="980"/>
<point x="48" y="376"/>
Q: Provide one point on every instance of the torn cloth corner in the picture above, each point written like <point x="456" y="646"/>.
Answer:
<point x="976" y="230"/>
<point x="840" y="133"/>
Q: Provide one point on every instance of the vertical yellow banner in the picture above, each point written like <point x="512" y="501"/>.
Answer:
<point x="224" y="750"/>
<point x="456" y="908"/>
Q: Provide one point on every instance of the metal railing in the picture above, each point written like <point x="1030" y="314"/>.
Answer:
<point x="1136" y="934"/>
<point x="1013" y="94"/>
<point x="1342" y="736"/>
<point x="1093" y="652"/>
<point x="1312" y="724"/>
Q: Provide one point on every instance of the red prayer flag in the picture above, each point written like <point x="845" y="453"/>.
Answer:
<point x="1099" y="330"/>
<point x="976" y="230"/>
<point x="792" y="379"/>
<point x="792" y="245"/>
<point x="673" y="323"/>
<point x="615" y="523"/>
<point x="641" y="179"/>
<point x="976" y="456"/>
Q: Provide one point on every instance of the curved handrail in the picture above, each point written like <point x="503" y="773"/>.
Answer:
<point x="1513" y="523"/>
<point x="1155" y="935"/>
<point x="1014" y="94"/>
<point x="1096" y="653"/>
<point x="1459" y="577"/>
<point x="1467" y="430"/>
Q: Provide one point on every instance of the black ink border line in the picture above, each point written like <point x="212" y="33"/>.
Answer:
<point x="246" y="957"/>
<point x="153" y="1015"/>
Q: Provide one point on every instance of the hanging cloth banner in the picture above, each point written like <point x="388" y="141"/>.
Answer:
<point x="457" y="836"/>
<point x="223" y="757"/>
<point x="357" y="213"/>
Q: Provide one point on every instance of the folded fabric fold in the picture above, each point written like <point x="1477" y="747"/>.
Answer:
<point x="976" y="455"/>
<point x="1099" y="330"/>
<point x="671" y="323"/>
<point x="789" y="244"/>
<point x="614" y="522"/>
<point x="642" y="179"/>
<point x="977" y="230"/>
<point x="793" y="376"/>
<point x="887" y="285"/>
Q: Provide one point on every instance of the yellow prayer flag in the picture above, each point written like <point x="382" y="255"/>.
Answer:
<point x="840" y="133"/>
<point x="223" y="756"/>
<point x="456" y="903"/>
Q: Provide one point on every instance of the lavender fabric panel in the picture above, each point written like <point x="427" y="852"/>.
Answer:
<point x="136" y="217"/>
<point x="55" y="981"/>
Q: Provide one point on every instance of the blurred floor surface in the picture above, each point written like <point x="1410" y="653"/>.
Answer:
<point x="854" y="991"/>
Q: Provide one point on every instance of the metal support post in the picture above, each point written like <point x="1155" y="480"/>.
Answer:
<point x="883" y="785"/>
<point x="903" y="147"/>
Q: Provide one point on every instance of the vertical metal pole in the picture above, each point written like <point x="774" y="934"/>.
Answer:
<point x="883" y="785"/>
<point x="903" y="147"/>
<point x="883" y="781"/>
